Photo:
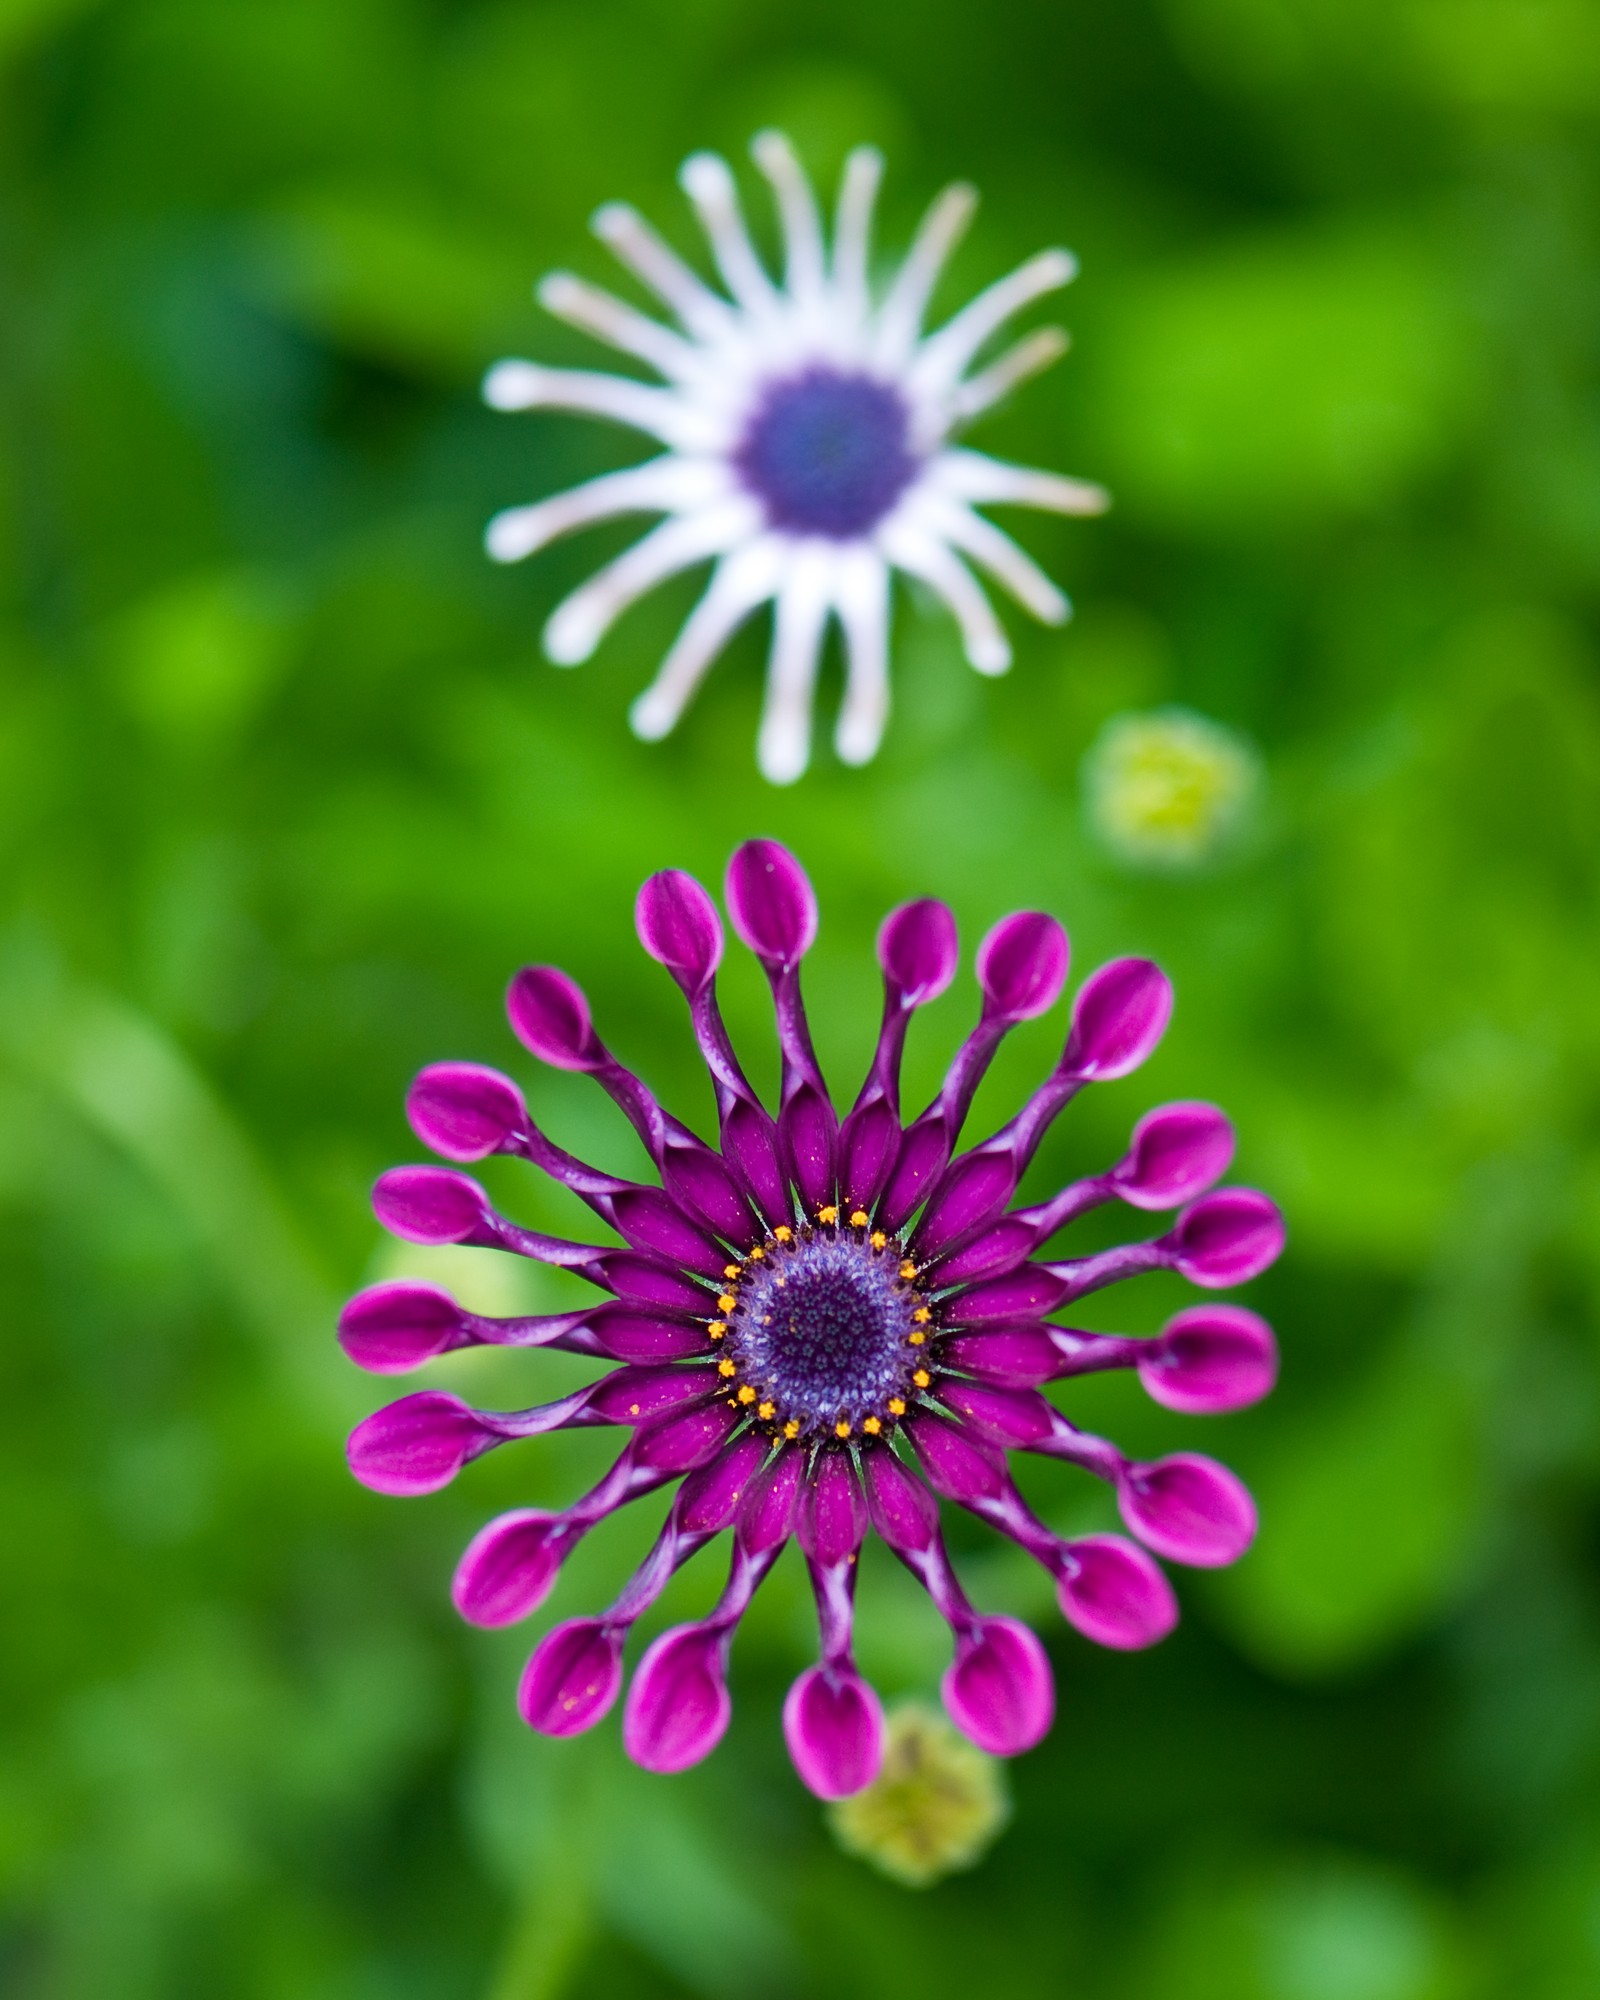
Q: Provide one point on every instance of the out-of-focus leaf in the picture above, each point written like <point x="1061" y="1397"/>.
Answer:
<point x="1284" y="380"/>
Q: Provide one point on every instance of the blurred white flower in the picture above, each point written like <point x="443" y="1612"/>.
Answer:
<point x="809" y="431"/>
<point x="1168" y="788"/>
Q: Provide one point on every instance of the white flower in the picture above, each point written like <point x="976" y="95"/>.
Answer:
<point x="809" y="435"/>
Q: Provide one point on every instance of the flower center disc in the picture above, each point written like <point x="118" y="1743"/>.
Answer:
<point x="827" y="453"/>
<point x="825" y="1331"/>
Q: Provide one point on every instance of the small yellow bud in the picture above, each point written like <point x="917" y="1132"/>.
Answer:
<point x="936" y="1805"/>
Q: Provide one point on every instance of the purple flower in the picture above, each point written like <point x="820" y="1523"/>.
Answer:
<point x="825" y="1326"/>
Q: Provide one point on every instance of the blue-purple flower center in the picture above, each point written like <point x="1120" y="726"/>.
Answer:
<point x="828" y="452"/>
<point x="827" y="1331"/>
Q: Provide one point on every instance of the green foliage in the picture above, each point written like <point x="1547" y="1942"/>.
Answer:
<point x="286" y="791"/>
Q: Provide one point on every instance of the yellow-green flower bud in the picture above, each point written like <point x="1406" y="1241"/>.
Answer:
<point x="935" y="1807"/>
<point x="1166" y="789"/>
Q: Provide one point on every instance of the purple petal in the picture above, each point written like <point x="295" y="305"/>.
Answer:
<point x="414" y="1446"/>
<point x="1189" y="1509"/>
<point x="678" y="1707"/>
<point x="1114" y="1593"/>
<point x="643" y="1337"/>
<point x="833" y="1512"/>
<point x="1177" y="1152"/>
<point x="678" y="1444"/>
<point x="652" y="1220"/>
<point x="956" y="1463"/>
<point x="918" y="950"/>
<point x="709" y="1499"/>
<point x="904" y="1513"/>
<point x="509" y="1567"/>
<point x="921" y="1159"/>
<point x="1022" y="965"/>
<point x="574" y="1676"/>
<point x="977" y="1187"/>
<point x="997" y="1250"/>
<point x="1209" y="1359"/>
<point x="429" y="1204"/>
<point x="550" y="1017"/>
<point x="869" y="1139"/>
<point x="465" y="1111"/>
<point x="806" y="1128"/>
<point x="1227" y="1238"/>
<point x="639" y="1395"/>
<point x="645" y="1282"/>
<point x="1119" y="1016"/>
<point x="999" y="1690"/>
<point x="1012" y="1417"/>
<point x="1021" y="1294"/>
<point x="833" y="1725"/>
<point x="771" y="902"/>
<point x="678" y="925"/>
<point x="1020" y="1356"/>
<point x="767" y="1515"/>
<point x="388" y="1329"/>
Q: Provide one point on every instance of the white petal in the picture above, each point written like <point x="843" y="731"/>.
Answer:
<point x="900" y="319"/>
<point x="595" y="311"/>
<point x="861" y="596"/>
<point x="797" y="209"/>
<point x="581" y="621"/>
<point x="945" y="354"/>
<point x="1036" y="351"/>
<point x="973" y="475"/>
<point x="852" y="231"/>
<point x="783" y="745"/>
<point x="921" y="554"/>
<point x="520" y="385"/>
<point x="708" y="181"/>
<point x="663" y="486"/>
<point x="740" y="582"/>
<point x="634" y="243"/>
<point x="995" y="551"/>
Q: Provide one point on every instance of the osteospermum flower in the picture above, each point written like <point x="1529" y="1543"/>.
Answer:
<point x="810" y="431"/>
<point x="824" y="1326"/>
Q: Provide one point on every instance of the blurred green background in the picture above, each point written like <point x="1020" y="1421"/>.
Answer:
<point x="286" y="792"/>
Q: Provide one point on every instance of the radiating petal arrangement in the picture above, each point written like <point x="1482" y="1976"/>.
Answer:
<point x="809" y="427"/>
<point x="825" y="1327"/>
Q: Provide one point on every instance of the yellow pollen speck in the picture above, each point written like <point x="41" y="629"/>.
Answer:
<point x="872" y="1425"/>
<point x="783" y="1232"/>
<point x="922" y="1378"/>
<point x="922" y="1315"/>
<point x="767" y="1410"/>
<point x="908" y="1270"/>
<point x="730" y="1270"/>
<point x="858" y="1218"/>
<point x="897" y="1406"/>
<point x="717" y="1328"/>
<point x="841" y="1429"/>
<point x="633" y="1409"/>
<point x="791" y="1428"/>
<point x="746" y="1393"/>
<point x="917" y="1338"/>
<point x="726" y="1302"/>
<point x="757" y="1252"/>
<point x="726" y="1367"/>
<point x="829" y="1214"/>
<point x="878" y="1240"/>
